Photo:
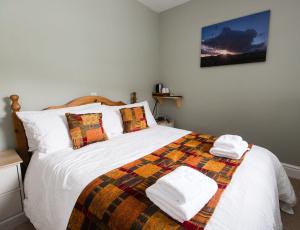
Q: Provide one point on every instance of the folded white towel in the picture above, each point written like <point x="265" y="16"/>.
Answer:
<point x="184" y="184"/>
<point x="234" y="153"/>
<point x="180" y="212"/>
<point x="228" y="141"/>
<point x="184" y="211"/>
<point x="229" y="138"/>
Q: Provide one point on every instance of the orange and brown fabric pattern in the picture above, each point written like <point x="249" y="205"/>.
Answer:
<point x="117" y="199"/>
<point x="85" y="129"/>
<point x="134" y="119"/>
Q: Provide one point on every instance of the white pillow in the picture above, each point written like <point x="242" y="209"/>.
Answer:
<point x="47" y="131"/>
<point x="113" y="124"/>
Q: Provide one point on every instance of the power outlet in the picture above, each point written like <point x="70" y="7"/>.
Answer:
<point x="93" y="94"/>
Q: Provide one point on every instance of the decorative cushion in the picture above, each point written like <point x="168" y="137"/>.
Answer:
<point x="85" y="129"/>
<point x="134" y="119"/>
<point x="113" y="123"/>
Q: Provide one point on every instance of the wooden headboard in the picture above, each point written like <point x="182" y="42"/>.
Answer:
<point x="20" y="135"/>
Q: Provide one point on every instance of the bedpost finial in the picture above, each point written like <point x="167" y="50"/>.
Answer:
<point x="133" y="98"/>
<point x="15" y="106"/>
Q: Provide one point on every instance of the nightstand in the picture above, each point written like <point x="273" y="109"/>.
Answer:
<point x="11" y="188"/>
<point x="168" y="123"/>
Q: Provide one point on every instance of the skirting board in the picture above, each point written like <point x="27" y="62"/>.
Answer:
<point x="292" y="170"/>
<point x="13" y="221"/>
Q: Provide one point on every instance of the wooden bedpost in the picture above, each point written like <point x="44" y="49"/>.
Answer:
<point x="133" y="97"/>
<point x="20" y="136"/>
<point x="15" y="106"/>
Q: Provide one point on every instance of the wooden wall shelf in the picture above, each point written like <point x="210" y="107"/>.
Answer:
<point x="160" y="99"/>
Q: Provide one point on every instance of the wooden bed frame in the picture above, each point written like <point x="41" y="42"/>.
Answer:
<point x="20" y="135"/>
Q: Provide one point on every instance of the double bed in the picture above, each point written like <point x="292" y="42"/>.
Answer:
<point x="53" y="182"/>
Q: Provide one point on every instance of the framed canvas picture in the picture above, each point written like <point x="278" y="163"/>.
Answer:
<point x="241" y="40"/>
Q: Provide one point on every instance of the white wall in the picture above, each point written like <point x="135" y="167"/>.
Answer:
<point x="54" y="51"/>
<point x="259" y="101"/>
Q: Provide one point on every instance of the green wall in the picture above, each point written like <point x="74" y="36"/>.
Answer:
<point x="259" y="101"/>
<point x="53" y="51"/>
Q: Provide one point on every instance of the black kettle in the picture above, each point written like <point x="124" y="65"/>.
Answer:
<point x="158" y="87"/>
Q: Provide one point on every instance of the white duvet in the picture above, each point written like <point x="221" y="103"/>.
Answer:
<point x="54" y="181"/>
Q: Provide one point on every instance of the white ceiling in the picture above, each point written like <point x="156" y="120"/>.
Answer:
<point x="162" y="5"/>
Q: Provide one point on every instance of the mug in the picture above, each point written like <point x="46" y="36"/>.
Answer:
<point x="165" y="90"/>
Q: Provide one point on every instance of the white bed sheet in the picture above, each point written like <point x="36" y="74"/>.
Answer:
<point x="54" y="181"/>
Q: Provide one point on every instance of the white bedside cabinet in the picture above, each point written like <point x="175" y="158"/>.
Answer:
<point x="11" y="189"/>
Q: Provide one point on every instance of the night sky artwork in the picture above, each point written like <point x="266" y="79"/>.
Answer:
<point x="241" y="40"/>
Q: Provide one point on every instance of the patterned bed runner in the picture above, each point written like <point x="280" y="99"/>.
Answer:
<point x="117" y="199"/>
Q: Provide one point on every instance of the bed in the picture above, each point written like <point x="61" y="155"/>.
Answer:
<point x="53" y="182"/>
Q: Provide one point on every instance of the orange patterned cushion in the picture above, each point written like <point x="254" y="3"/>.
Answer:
<point x="134" y="119"/>
<point x="85" y="129"/>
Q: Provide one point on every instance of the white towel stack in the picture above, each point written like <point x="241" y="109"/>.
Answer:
<point x="182" y="193"/>
<point x="229" y="146"/>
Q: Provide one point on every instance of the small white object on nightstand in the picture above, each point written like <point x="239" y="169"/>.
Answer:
<point x="168" y="123"/>
<point x="11" y="188"/>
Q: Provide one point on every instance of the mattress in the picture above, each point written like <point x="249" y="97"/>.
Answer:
<point x="54" y="181"/>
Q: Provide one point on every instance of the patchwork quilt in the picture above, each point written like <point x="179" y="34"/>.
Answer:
<point x="117" y="199"/>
